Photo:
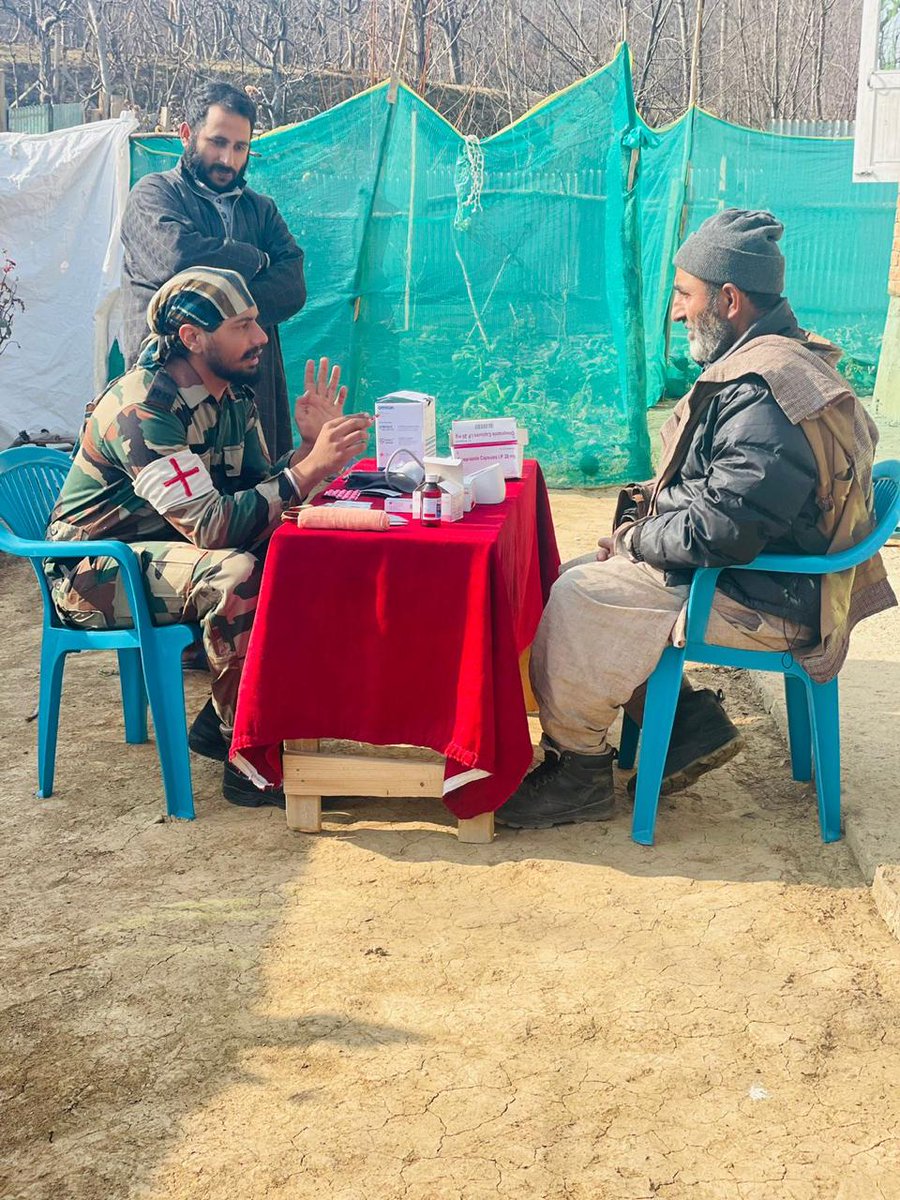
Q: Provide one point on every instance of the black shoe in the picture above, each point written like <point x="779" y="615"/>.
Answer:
<point x="237" y="789"/>
<point x="205" y="735"/>
<point x="703" y="738"/>
<point x="566" y="787"/>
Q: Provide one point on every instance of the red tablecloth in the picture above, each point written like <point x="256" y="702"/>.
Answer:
<point x="407" y="636"/>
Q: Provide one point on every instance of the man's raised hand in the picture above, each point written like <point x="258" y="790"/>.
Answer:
<point x="322" y="399"/>
<point x="339" y="440"/>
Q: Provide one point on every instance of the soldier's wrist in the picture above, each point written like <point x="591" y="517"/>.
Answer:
<point x="304" y="476"/>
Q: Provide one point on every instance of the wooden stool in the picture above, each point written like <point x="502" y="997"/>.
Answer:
<point x="310" y="775"/>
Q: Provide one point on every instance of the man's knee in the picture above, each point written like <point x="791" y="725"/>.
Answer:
<point x="243" y="572"/>
<point x="574" y="583"/>
<point x="618" y="585"/>
<point x="230" y="591"/>
<point x="235" y="573"/>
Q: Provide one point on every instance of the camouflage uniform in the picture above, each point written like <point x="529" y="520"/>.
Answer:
<point x="185" y="480"/>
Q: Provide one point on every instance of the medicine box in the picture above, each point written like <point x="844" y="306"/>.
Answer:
<point x="399" y="504"/>
<point x="452" y="500"/>
<point x="492" y="440"/>
<point x="404" y="421"/>
<point x="447" y="467"/>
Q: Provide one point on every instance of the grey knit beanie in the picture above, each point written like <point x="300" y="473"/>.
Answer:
<point x="736" y="246"/>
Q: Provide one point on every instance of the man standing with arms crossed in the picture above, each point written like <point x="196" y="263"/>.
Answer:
<point x="201" y="213"/>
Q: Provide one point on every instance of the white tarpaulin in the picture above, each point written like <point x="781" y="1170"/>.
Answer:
<point x="61" y="201"/>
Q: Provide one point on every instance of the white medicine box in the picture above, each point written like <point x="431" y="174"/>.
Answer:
<point x="492" y="440"/>
<point x="404" y="421"/>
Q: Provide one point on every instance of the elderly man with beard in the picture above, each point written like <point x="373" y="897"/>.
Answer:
<point x="769" y="451"/>
<point x="172" y="460"/>
<point x="202" y="213"/>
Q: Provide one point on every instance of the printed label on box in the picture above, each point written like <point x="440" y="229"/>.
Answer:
<point x="490" y="431"/>
<point x="404" y="421"/>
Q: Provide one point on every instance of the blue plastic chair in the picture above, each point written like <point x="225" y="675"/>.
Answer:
<point x="812" y="708"/>
<point x="149" y="655"/>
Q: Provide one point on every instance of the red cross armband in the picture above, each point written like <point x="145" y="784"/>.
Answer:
<point x="173" y="482"/>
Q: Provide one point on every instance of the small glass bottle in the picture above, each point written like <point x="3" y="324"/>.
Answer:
<point x="430" y="498"/>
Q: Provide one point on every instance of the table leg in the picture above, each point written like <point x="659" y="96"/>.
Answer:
<point x="303" y="813"/>
<point x="476" y="829"/>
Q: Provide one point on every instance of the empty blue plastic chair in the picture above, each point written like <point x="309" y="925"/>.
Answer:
<point x="149" y="656"/>
<point x="812" y="708"/>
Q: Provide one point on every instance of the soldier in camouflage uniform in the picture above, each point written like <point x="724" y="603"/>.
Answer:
<point x="172" y="460"/>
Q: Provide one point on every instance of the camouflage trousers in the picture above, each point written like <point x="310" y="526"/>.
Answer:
<point x="216" y="588"/>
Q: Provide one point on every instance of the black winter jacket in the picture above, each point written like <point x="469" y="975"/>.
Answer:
<point x="170" y="224"/>
<point x="747" y="485"/>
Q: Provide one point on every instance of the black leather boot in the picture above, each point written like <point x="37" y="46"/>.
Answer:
<point x="566" y="787"/>
<point x="703" y="738"/>
<point x="205" y="735"/>
<point x="237" y="789"/>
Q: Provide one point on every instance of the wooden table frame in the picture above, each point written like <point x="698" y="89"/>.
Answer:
<point x="309" y="775"/>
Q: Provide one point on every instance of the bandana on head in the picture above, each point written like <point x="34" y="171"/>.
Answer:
<point x="201" y="296"/>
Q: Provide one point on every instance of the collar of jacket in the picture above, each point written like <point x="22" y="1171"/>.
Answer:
<point x="192" y="383"/>
<point x="206" y="192"/>
<point x="780" y="321"/>
<point x="799" y="368"/>
<point x="775" y="337"/>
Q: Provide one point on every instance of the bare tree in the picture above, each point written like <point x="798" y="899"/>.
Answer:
<point x="482" y="61"/>
<point x="38" y="21"/>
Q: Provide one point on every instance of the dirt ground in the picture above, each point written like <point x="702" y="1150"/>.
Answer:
<point x="223" y="1010"/>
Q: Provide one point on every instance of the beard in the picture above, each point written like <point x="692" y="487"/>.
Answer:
<point x="710" y="335"/>
<point x="247" y="370"/>
<point x="224" y="178"/>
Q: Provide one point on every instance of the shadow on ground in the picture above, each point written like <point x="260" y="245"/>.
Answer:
<point x="221" y="1009"/>
<point x="748" y="821"/>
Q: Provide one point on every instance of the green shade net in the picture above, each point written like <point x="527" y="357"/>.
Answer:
<point x="529" y="274"/>
<point x="503" y="277"/>
<point x="837" y="241"/>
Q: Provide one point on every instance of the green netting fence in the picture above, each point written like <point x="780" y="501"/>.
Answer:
<point x="837" y="240"/>
<point x="529" y="273"/>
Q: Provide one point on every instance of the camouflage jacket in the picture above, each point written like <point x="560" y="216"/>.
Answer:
<point x="161" y="462"/>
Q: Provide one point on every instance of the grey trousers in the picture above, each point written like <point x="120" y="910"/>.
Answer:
<point x="601" y="636"/>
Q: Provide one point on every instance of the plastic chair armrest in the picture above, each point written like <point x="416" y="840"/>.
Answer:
<point x="828" y="564"/>
<point x="813" y="564"/>
<point x="120" y="552"/>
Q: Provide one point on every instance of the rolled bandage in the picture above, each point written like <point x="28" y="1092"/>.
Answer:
<point x="323" y="517"/>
